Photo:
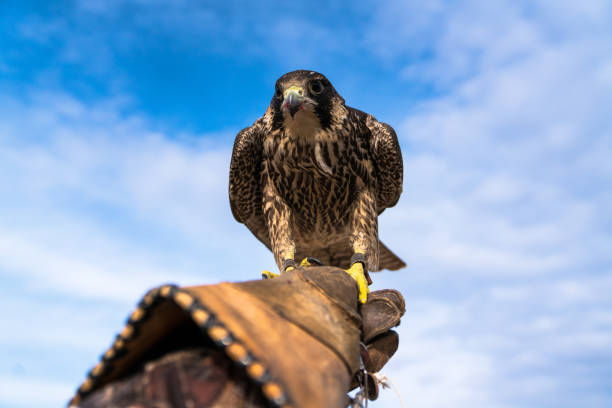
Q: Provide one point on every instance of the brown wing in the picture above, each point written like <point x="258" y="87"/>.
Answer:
<point x="244" y="181"/>
<point x="387" y="156"/>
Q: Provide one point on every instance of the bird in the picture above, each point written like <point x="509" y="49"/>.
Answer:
<point x="311" y="176"/>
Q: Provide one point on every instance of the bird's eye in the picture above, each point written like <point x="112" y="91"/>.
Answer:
<point x="278" y="93"/>
<point x="316" y="87"/>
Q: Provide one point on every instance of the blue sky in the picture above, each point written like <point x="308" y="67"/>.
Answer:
<point x="116" y="124"/>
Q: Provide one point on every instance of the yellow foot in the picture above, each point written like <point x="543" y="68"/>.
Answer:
<point x="269" y="275"/>
<point x="356" y="272"/>
<point x="305" y="262"/>
<point x="310" y="261"/>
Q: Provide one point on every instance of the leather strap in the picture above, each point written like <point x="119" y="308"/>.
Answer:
<point x="287" y="263"/>
<point x="358" y="257"/>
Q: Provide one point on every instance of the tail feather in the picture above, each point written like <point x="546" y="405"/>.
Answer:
<point x="387" y="259"/>
<point x="340" y="255"/>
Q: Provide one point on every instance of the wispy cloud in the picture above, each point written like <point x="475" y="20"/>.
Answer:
<point x="504" y="223"/>
<point x="72" y="195"/>
<point x="97" y="207"/>
<point x="291" y="34"/>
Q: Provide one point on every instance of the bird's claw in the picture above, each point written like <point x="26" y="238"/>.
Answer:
<point x="310" y="261"/>
<point x="357" y="273"/>
<point x="269" y="275"/>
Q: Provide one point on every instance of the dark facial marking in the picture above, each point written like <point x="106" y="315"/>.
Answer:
<point x="318" y="88"/>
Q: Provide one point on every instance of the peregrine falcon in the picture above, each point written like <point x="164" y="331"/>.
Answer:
<point x="311" y="176"/>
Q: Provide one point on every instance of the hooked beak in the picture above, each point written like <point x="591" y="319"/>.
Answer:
<point x="294" y="99"/>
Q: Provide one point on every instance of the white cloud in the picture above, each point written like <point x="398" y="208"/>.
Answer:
<point x="504" y="221"/>
<point x="497" y="163"/>
<point x="87" y="202"/>
<point x="98" y="207"/>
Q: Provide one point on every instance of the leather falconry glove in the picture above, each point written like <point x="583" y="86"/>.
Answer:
<point x="295" y="341"/>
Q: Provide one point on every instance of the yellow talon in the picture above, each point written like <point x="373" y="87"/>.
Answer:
<point x="304" y="262"/>
<point x="269" y="275"/>
<point x="356" y="272"/>
<point x="310" y="261"/>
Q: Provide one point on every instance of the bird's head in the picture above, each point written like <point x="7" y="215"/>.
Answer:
<point x="304" y="101"/>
